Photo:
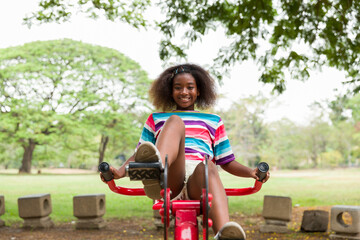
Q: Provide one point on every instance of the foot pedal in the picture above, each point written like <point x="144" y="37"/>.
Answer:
<point x="144" y="171"/>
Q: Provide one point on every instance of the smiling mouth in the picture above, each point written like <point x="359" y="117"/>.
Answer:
<point x="185" y="99"/>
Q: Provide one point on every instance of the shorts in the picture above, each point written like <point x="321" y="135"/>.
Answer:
<point x="189" y="169"/>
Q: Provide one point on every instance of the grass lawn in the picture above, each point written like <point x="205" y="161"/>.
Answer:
<point x="305" y="187"/>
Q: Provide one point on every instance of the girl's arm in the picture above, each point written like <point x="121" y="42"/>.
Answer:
<point x="237" y="169"/>
<point x="119" y="173"/>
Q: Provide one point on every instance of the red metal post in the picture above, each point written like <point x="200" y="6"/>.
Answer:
<point x="186" y="226"/>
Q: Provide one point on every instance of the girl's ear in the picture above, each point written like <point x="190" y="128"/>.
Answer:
<point x="198" y="93"/>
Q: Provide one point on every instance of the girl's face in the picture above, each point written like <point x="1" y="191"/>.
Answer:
<point x="184" y="91"/>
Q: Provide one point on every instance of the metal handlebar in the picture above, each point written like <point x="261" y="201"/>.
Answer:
<point x="262" y="170"/>
<point x="104" y="168"/>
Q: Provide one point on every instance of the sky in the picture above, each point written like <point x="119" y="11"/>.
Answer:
<point x="142" y="46"/>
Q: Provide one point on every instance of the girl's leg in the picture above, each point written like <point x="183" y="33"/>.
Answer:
<point x="171" y="142"/>
<point x="219" y="212"/>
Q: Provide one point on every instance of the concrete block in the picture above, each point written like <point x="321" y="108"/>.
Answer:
<point x="277" y="214"/>
<point x="34" y="206"/>
<point x="344" y="237"/>
<point x="277" y="208"/>
<point x="42" y="222"/>
<point x="274" y="226"/>
<point x="276" y="222"/>
<point x="89" y="210"/>
<point x="86" y="206"/>
<point x="157" y="219"/>
<point x="315" y="221"/>
<point x="270" y="228"/>
<point x="2" y="209"/>
<point x="159" y="224"/>
<point x="90" y="223"/>
<point x="2" y="205"/>
<point x="342" y="229"/>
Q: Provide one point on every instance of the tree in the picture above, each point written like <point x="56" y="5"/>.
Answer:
<point x="59" y="11"/>
<point x="345" y="117"/>
<point x="286" y="146"/>
<point x="317" y="134"/>
<point x="343" y="141"/>
<point x="354" y="105"/>
<point x="48" y="88"/>
<point x="246" y="129"/>
<point x="339" y="110"/>
<point x="9" y="153"/>
<point x="119" y="130"/>
<point x="283" y="37"/>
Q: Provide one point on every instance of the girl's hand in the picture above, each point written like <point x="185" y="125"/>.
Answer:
<point x="117" y="173"/>
<point x="240" y="170"/>
<point x="254" y="175"/>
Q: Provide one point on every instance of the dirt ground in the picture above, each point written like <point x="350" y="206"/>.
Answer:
<point x="145" y="229"/>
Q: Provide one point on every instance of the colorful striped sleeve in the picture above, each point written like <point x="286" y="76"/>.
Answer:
<point x="222" y="148"/>
<point x="148" y="132"/>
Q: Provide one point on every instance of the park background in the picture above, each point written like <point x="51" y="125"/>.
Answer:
<point x="319" y="112"/>
<point x="312" y="127"/>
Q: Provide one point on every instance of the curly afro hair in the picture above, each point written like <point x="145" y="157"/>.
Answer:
<point x="161" y="89"/>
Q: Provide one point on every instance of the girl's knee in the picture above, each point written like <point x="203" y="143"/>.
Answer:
<point x="212" y="168"/>
<point x="200" y="169"/>
<point x="175" y="121"/>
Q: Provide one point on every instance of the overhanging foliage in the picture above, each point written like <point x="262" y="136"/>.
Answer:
<point x="281" y="36"/>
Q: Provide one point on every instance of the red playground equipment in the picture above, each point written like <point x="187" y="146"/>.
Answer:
<point x="184" y="211"/>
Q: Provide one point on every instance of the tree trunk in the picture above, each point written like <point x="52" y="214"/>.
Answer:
<point x="314" y="157"/>
<point x="102" y="147"/>
<point x="27" y="156"/>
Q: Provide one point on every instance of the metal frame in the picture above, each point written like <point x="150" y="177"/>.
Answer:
<point x="185" y="211"/>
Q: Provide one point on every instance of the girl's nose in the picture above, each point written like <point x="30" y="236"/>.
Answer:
<point x="184" y="91"/>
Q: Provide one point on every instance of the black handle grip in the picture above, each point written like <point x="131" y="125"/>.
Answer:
<point x="262" y="170"/>
<point x="104" y="168"/>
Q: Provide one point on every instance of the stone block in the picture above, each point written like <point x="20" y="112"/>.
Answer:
<point x="89" y="206"/>
<point x="159" y="224"/>
<point x="277" y="208"/>
<point x="271" y="228"/>
<point x="2" y="209"/>
<point x="157" y="219"/>
<point x="342" y="229"/>
<point x="89" y="210"/>
<point x="2" y="205"/>
<point x="315" y="221"/>
<point x="34" y="206"/>
<point x="344" y="236"/>
<point x="41" y="222"/>
<point x="277" y="214"/>
<point x="276" y="222"/>
<point x="90" y="223"/>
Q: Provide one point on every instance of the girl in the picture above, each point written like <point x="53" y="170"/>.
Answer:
<point x="186" y="136"/>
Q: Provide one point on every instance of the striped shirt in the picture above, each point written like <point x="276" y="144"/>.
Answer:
<point x="204" y="135"/>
